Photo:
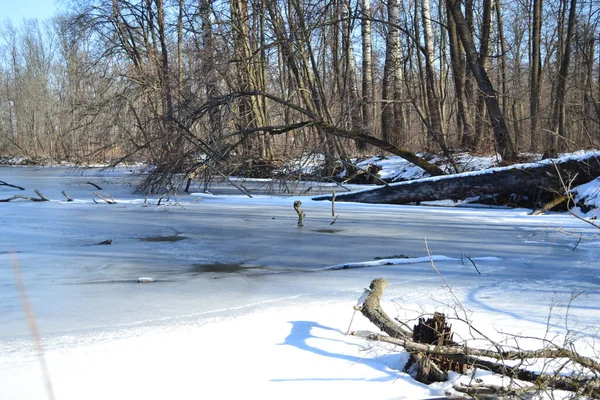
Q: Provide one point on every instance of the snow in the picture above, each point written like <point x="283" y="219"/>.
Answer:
<point x="241" y="302"/>
<point x="401" y="171"/>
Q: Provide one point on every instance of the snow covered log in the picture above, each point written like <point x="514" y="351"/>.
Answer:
<point x="526" y="180"/>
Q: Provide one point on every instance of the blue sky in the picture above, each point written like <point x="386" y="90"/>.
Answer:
<point x="17" y="10"/>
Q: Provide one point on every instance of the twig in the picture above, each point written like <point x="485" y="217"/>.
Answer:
<point x="576" y="244"/>
<point x="584" y="220"/>
<point x="94" y="185"/>
<point x="241" y="188"/>
<point x="160" y="198"/>
<point x="472" y="262"/>
<point x="333" y="205"/>
<point x="335" y="219"/>
<point x="441" y="276"/>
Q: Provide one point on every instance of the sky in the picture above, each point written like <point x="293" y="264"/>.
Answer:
<point x="17" y="10"/>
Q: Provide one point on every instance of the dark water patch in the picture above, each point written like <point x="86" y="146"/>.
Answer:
<point x="328" y="230"/>
<point x="224" y="268"/>
<point x="170" y="238"/>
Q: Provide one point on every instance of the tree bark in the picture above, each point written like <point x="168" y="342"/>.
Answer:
<point x="501" y="135"/>
<point x="367" y="70"/>
<point x="528" y="179"/>
<point x="559" y="124"/>
<point x="484" y="50"/>
<point x="536" y="73"/>
<point x="458" y="63"/>
<point x="389" y="127"/>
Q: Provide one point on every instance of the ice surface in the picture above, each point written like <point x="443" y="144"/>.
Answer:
<point x="273" y="321"/>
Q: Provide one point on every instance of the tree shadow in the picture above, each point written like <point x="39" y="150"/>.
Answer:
<point x="390" y="365"/>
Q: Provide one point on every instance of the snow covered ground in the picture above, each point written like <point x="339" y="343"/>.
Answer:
<point x="244" y="303"/>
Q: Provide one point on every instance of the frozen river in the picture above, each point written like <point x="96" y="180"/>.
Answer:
<point x="215" y="257"/>
<point x="201" y="248"/>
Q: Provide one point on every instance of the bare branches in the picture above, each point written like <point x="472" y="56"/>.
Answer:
<point x="106" y="197"/>
<point x="2" y="183"/>
<point x="427" y="356"/>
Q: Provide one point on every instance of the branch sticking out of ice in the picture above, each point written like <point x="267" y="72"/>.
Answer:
<point x="400" y="261"/>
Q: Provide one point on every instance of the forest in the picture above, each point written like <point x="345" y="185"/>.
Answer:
<point x="240" y="87"/>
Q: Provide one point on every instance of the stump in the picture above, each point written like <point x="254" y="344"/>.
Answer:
<point x="438" y="332"/>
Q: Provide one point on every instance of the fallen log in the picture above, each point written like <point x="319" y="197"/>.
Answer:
<point x="371" y="308"/>
<point x="431" y="361"/>
<point x="528" y="180"/>
<point x="40" y="197"/>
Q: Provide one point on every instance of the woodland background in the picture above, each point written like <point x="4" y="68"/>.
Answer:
<point x="236" y="84"/>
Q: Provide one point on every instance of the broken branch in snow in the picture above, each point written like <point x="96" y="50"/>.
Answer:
<point x="66" y="196"/>
<point x="41" y="196"/>
<point x="432" y="360"/>
<point x="333" y="204"/>
<point x="300" y="213"/>
<point x="107" y="198"/>
<point x="550" y="205"/>
<point x="161" y="197"/>
<point x="2" y="183"/>
<point x="94" y="185"/>
<point x="472" y="262"/>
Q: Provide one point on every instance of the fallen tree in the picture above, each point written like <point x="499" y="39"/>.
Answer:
<point x="534" y="182"/>
<point x="433" y="353"/>
<point x="40" y="197"/>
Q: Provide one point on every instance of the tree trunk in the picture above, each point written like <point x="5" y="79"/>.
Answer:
<point x="527" y="179"/>
<point x="389" y="127"/>
<point x="484" y="50"/>
<point x="559" y="124"/>
<point x="458" y="63"/>
<point x="536" y="74"/>
<point x="504" y="145"/>
<point x="367" y="70"/>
